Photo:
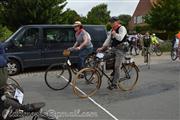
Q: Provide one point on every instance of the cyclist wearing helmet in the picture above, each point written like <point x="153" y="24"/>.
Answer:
<point x="154" y="39"/>
<point x="115" y="40"/>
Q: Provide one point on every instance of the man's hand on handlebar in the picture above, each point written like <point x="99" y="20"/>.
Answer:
<point x="74" y="49"/>
<point x="101" y="49"/>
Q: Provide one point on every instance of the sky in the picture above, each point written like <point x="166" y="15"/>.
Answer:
<point x="117" y="7"/>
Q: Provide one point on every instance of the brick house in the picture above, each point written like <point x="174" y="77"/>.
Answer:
<point x="141" y="10"/>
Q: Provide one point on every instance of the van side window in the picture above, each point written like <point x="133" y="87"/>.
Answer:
<point x="28" y="38"/>
<point x="56" y="35"/>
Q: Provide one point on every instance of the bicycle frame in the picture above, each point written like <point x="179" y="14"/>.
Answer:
<point x="98" y="62"/>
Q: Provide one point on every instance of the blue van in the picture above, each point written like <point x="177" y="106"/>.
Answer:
<point x="42" y="45"/>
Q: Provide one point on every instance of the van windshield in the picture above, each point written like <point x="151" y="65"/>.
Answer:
<point x="14" y="34"/>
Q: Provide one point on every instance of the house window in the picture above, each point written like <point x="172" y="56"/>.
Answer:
<point x="139" y="19"/>
<point x="135" y="19"/>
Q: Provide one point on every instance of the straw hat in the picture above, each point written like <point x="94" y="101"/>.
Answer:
<point x="77" y="23"/>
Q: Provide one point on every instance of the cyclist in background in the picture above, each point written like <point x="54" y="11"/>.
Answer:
<point x="178" y="44"/>
<point x="146" y="43"/>
<point x="154" y="40"/>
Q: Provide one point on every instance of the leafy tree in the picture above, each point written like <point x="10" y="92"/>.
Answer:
<point x="165" y="16"/>
<point x="84" y="19"/>
<point x="4" y="33"/>
<point x="70" y="16"/>
<point x="98" y="15"/>
<point x="124" y="19"/>
<point x="15" y="13"/>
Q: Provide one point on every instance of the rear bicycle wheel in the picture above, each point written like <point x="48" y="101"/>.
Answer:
<point x="158" y="52"/>
<point x="90" y="60"/>
<point x="174" y="55"/>
<point x="57" y="76"/>
<point x="129" y="77"/>
<point x="86" y="82"/>
<point x="148" y="60"/>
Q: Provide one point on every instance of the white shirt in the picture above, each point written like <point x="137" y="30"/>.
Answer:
<point x="119" y="36"/>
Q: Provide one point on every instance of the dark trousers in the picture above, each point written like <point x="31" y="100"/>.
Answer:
<point x="82" y="56"/>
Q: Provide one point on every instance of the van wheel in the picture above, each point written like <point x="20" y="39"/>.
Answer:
<point x="13" y="67"/>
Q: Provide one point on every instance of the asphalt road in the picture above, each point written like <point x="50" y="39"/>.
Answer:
<point x="156" y="96"/>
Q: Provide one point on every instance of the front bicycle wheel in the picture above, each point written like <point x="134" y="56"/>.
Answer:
<point x="57" y="76"/>
<point x="129" y="77"/>
<point x="11" y="80"/>
<point x="86" y="82"/>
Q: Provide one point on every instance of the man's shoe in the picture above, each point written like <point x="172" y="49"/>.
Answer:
<point x="81" y="76"/>
<point x="111" y="87"/>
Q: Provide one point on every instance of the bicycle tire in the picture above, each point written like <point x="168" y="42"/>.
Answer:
<point x="57" y="71"/>
<point x="158" y="52"/>
<point x="125" y="70"/>
<point x="148" y="60"/>
<point x="81" y="87"/>
<point x="173" y="55"/>
<point x="89" y="60"/>
<point x="14" y="81"/>
<point x="43" y="116"/>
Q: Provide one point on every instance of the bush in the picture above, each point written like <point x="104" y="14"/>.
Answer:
<point x="166" y="46"/>
<point x="4" y="33"/>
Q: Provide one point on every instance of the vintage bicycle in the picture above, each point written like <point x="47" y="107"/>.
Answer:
<point x="93" y="75"/>
<point x="59" y="75"/>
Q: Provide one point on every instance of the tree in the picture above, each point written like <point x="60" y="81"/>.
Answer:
<point x="98" y="15"/>
<point x="84" y="19"/>
<point x="70" y="16"/>
<point x="4" y="33"/>
<point x="165" y="16"/>
<point x="15" y="13"/>
<point x="124" y="19"/>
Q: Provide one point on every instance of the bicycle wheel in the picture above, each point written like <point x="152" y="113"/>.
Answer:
<point x="43" y="116"/>
<point x="11" y="80"/>
<point x="174" y="55"/>
<point x="58" y="76"/>
<point x="148" y="60"/>
<point x="90" y="60"/>
<point x="158" y="52"/>
<point x="129" y="77"/>
<point x="86" y="82"/>
<point x="135" y="51"/>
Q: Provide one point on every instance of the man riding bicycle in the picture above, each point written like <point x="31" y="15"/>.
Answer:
<point x="147" y="43"/>
<point x="177" y="44"/>
<point x="154" y="40"/>
<point x="115" y="40"/>
<point x="83" y="43"/>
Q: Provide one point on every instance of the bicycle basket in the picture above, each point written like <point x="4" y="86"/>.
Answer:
<point x="66" y="53"/>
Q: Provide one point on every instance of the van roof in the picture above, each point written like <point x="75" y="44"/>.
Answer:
<point x="55" y="25"/>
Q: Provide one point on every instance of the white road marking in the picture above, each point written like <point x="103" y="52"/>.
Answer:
<point x="92" y="100"/>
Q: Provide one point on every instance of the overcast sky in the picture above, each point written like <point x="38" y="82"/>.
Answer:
<point x="116" y="7"/>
